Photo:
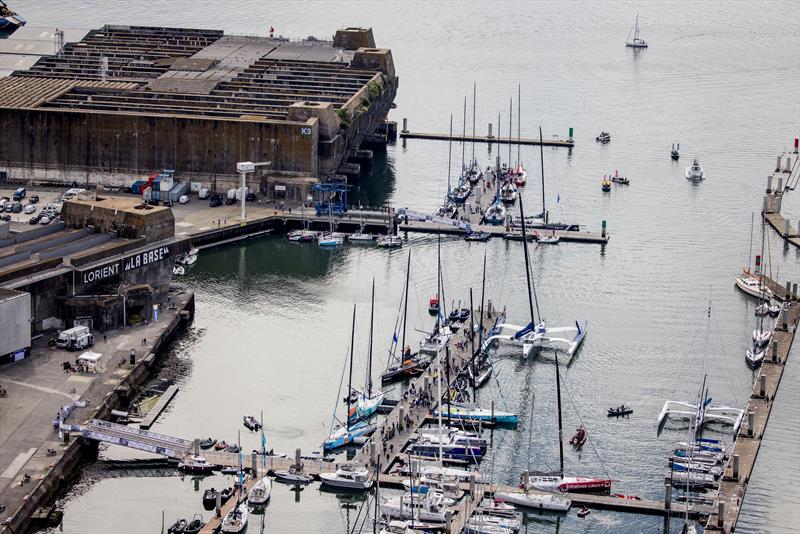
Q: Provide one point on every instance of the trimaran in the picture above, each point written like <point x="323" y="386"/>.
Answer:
<point x="534" y="338"/>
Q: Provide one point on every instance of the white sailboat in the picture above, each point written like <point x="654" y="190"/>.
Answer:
<point x="330" y="238"/>
<point x="701" y="412"/>
<point x="260" y="492"/>
<point x="368" y="402"/>
<point x="235" y="521"/>
<point x="637" y="42"/>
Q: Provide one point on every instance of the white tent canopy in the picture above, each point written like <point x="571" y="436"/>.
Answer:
<point x="92" y="360"/>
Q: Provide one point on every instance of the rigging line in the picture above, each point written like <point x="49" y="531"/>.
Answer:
<point x="339" y="392"/>
<point x="728" y="378"/>
<point x="392" y="345"/>
<point x="590" y="441"/>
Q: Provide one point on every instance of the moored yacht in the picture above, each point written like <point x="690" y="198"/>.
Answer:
<point x="695" y="172"/>
<point x="347" y="477"/>
<point x="235" y="521"/>
<point x="260" y="492"/>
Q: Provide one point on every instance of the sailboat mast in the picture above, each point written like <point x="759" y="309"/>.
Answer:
<point x="405" y="308"/>
<point x="483" y="293"/>
<point x="447" y="370"/>
<point x="449" y="154"/>
<point x="750" y="254"/>
<point x="474" y="89"/>
<point x="541" y="162"/>
<point x="530" y="437"/>
<point x="439" y="405"/>
<point x="369" y="352"/>
<point x="464" y="136"/>
<point x="350" y="378"/>
<point x="636" y="29"/>
<point x="527" y="262"/>
<point x="519" y="121"/>
<point x="510" y="118"/>
<point x="560" y="424"/>
<point x="472" y="339"/>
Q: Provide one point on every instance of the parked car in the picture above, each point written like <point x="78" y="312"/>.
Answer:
<point x="230" y="201"/>
<point x="8" y="207"/>
<point x="44" y="220"/>
<point x="33" y="199"/>
<point x="167" y="203"/>
<point x="203" y="194"/>
<point x="216" y="200"/>
<point x="16" y="207"/>
<point x="33" y="220"/>
<point x="5" y="217"/>
<point x="184" y="199"/>
<point x="19" y="194"/>
<point x="250" y="197"/>
<point x="30" y="208"/>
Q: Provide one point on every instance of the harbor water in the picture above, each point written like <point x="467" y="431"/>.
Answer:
<point x="273" y="319"/>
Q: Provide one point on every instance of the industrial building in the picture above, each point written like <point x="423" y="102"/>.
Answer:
<point x="107" y="263"/>
<point x="15" y="325"/>
<point x="124" y="101"/>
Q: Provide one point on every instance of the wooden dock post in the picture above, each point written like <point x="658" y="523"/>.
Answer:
<point x="298" y="460"/>
<point x="769" y="178"/>
<point x="603" y="232"/>
<point x="196" y="446"/>
<point x="405" y="124"/>
<point x="254" y="463"/>
<point x="721" y="514"/>
<point x="762" y="386"/>
<point x="794" y="291"/>
<point x="218" y="505"/>
<point x="750" y="424"/>
<point x="736" y="467"/>
<point x="490" y="131"/>
<point x="774" y="355"/>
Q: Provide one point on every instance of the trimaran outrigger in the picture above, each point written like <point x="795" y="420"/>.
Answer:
<point x="536" y="336"/>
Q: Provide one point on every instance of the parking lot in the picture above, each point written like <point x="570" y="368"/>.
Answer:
<point x="19" y="221"/>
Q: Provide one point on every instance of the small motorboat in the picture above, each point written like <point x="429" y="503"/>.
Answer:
<point x="251" y="422"/>
<point x="186" y="260"/>
<point x="195" y="525"/>
<point x="762" y="337"/>
<point x="390" y="241"/>
<point x="292" y="476"/>
<point x="360" y="237"/>
<point x="604" y="137"/>
<point x="774" y="310"/>
<point x="548" y="239"/>
<point x="617" y="179"/>
<point x="229" y="470"/>
<point x="517" y="236"/>
<point x="695" y="172"/>
<point x="626" y="496"/>
<point x="605" y="185"/>
<point x="675" y="154"/>
<point x="210" y="497"/>
<point x="478" y="236"/>
<point x="347" y="477"/>
<point x="207" y="443"/>
<point x="233" y="447"/>
<point x="220" y="446"/>
<point x="302" y="236"/>
<point x="433" y="306"/>
<point x="9" y="21"/>
<point x="178" y="270"/>
<point x="178" y="527"/>
<point x="620" y="411"/>
<point x="583" y="512"/>
<point x="463" y="314"/>
<point x="578" y="439"/>
<point x="196" y="465"/>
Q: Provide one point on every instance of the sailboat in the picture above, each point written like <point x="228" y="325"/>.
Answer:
<point x="702" y="412"/>
<point x="543" y="501"/>
<point x="408" y="363"/>
<point x="636" y="42"/>
<point x="559" y="482"/>
<point x="754" y="356"/>
<point x="235" y="521"/>
<point x="540" y="336"/>
<point x="348" y="434"/>
<point x="368" y="403"/>
<point x="330" y="238"/>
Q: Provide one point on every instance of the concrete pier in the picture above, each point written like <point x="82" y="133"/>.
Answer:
<point x="734" y="482"/>
<point x="38" y="388"/>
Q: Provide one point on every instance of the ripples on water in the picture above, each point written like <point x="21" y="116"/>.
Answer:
<point x="720" y="78"/>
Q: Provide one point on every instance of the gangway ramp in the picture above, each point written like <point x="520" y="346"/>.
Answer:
<point x="134" y="438"/>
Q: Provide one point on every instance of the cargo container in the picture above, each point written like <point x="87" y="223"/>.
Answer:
<point x="136" y="188"/>
<point x="177" y="191"/>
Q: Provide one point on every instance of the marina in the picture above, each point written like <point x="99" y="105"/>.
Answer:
<point x="191" y="214"/>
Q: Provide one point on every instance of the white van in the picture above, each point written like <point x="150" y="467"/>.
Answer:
<point x="202" y="194"/>
<point x="76" y="338"/>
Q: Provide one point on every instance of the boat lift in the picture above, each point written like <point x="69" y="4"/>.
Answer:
<point x="331" y="198"/>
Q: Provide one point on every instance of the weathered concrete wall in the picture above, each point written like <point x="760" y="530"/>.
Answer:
<point x="64" y="142"/>
<point x="154" y="224"/>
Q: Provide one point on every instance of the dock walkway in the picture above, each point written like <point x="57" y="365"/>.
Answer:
<point x="734" y="482"/>
<point x="555" y="141"/>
